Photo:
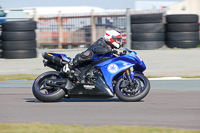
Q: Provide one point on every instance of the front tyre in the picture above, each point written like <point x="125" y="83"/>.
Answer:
<point x="46" y="93"/>
<point x="133" y="93"/>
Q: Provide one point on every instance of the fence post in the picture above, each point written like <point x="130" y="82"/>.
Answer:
<point x="93" y="27"/>
<point x="35" y="18"/>
<point x="128" y="28"/>
<point x="60" y="31"/>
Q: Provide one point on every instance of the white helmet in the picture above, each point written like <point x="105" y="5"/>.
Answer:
<point x="113" y="38"/>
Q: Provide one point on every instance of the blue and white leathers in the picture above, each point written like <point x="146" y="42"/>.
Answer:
<point x="114" y="66"/>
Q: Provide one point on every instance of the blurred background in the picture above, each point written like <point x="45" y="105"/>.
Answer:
<point x="79" y="23"/>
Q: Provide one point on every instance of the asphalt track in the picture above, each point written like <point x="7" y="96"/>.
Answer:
<point x="161" y="62"/>
<point x="170" y="103"/>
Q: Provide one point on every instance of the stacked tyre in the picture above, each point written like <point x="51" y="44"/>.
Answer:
<point x="0" y="49"/>
<point x="0" y="43"/>
<point x="19" y="39"/>
<point x="182" y="31"/>
<point x="148" y="31"/>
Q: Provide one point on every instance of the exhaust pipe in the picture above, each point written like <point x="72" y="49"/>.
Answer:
<point x="51" y="65"/>
<point x="54" y="59"/>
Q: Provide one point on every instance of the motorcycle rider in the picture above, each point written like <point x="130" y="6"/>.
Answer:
<point x="112" y="40"/>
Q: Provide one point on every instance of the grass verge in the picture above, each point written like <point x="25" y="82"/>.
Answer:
<point x="18" y="76"/>
<point x="173" y="76"/>
<point x="53" y="128"/>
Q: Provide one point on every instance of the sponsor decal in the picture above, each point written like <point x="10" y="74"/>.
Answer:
<point x="89" y="87"/>
<point x="125" y="64"/>
<point x="112" y="68"/>
<point x="50" y="54"/>
<point x="139" y="57"/>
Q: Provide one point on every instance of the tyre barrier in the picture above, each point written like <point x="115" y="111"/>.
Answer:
<point x="147" y="45"/>
<point x="0" y="46"/>
<point x="19" y="39"/>
<point x="19" y="45"/>
<point x="19" y="54"/>
<point x="18" y="35"/>
<point x="19" y="26"/>
<point x="182" y="27"/>
<point x="182" y="18"/>
<point x="148" y="36"/>
<point x="148" y="28"/>
<point x="0" y="49"/>
<point x="182" y="31"/>
<point x="146" y="18"/>
<point x="148" y="31"/>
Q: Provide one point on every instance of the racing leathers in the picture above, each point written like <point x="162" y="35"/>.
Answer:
<point x="100" y="47"/>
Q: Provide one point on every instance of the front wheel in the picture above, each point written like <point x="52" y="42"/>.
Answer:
<point x="132" y="93"/>
<point x="47" y="93"/>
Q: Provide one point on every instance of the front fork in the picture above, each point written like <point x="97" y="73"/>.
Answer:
<point x="130" y="76"/>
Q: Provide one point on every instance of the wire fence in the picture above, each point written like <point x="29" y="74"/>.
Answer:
<point x="76" y="30"/>
<point x="69" y="30"/>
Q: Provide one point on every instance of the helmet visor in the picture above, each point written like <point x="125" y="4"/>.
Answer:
<point x="117" y="39"/>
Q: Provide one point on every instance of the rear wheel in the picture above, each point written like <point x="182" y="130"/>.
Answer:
<point x="135" y="92"/>
<point x="46" y="93"/>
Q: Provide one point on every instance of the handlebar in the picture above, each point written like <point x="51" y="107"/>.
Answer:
<point x="119" y="53"/>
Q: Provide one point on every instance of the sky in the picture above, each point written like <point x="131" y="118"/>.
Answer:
<point x="105" y="4"/>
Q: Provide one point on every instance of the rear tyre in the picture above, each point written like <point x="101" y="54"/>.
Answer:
<point x="46" y="93"/>
<point x="133" y="93"/>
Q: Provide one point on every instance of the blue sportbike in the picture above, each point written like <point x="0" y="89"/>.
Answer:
<point x="119" y="74"/>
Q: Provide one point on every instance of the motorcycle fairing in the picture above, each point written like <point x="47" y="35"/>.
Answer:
<point x="114" y="66"/>
<point x="98" y="89"/>
<point x="84" y="69"/>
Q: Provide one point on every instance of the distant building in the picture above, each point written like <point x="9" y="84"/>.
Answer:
<point x="152" y="4"/>
<point x="66" y="10"/>
<point x="186" y="7"/>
